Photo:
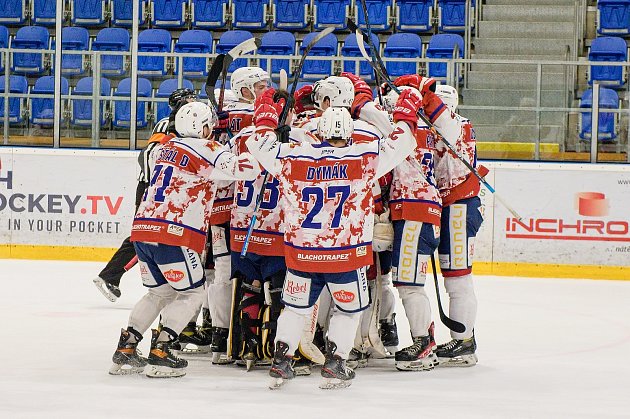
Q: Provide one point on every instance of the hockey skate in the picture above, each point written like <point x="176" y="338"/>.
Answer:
<point x="419" y="356"/>
<point x="281" y="369"/>
<point x="458" y="353"/>
<point x="389" y="334"/>
<point x="127" y="359"/>
<point x="110" y="291"/>
<point x="357" y="359"/>
<point x="162" y="361"/>
<point x="250" y="352"/>
<point x="335" y="371"/>
<point x="219" y="346"/>
<point x="194" y="340"/>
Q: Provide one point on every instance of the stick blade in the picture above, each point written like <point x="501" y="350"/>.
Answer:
<point x="284" y="80"/>
<point x="249" y="45"/>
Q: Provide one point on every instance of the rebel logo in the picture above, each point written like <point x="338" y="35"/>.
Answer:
<point x="293" y="287"/>
<point x="343" y="296"/>
<point x="173" y="276"/>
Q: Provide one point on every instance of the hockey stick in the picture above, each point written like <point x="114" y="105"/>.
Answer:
<point x="369" y="35"/>
<point x="360" y="36"/>
<point x="281" y="121"/>
<point x="131" y="263"/>
<point x="455" y="326"/>
<point x="211" y="81"/>
<point x="373" y="336"/>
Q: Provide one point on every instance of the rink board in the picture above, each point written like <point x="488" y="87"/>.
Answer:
<point x="78" y="205"/>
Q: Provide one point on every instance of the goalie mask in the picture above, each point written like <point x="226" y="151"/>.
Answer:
<point x="192" y="117"/>
<point x="339" y="90"/>
<point x="449" y="96"/>
<point x="247" y="77"/>
<point x="335" y="124"/>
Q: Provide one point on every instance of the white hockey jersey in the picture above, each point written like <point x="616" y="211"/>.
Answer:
<point x="327" y="196"/>
<point x="176" y="207"/>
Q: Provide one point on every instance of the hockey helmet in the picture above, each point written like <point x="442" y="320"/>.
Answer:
<point x="339" y="90"/>
<point x="449" y="96"/>
<point x="247" y="77"/>
<point x="335" y="124"/>
<point x="192" y="117"/>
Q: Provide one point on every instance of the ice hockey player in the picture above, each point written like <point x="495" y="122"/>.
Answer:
<point x="246" y="84"/>
<point x="461" y="219"/>
<point x="415" y="207"/>
<point x="328" y="223"/>
<point x="108" y="281"/>
<point x="169" y="233"/>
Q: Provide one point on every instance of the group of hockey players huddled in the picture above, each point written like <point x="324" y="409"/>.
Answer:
<point x="286" y="220"/>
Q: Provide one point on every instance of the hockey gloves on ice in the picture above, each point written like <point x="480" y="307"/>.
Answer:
<point x="407" y="108"/>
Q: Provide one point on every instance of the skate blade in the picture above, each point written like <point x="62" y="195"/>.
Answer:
<point x="276" y="382"/>
<point x="459" y="361"/>
<point x="334" y="383"/>
<point x="100" y="284"/>
<point x="192" y="349"/>
<point x="414" y="365"/>
<point x="158" y="371"/>
<point x="249" y="364"/>
<point x="221" y="358"/>
<point x="125" y="369"/>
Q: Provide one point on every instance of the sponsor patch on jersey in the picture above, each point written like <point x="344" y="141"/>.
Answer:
<point x="361" y="251"/>
<point x="173" y="276"/>
<point x="343" y="296"/>
<point x="175" y="230"/>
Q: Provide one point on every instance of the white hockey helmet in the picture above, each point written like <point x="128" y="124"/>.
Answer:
<point x="449" y="96"/>
<point x="192" y="117"/>
<point x="335" y="124"/>
<point x="247" y="77"/>
<point x="390" y="99"/>
<point x="339" y="90"/>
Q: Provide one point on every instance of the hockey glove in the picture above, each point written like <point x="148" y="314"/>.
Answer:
<point x="359" y="101"/>
<point x="423" y="84"/>
<point x="303" y="99"/>
<point x="407" y="108"/>
<point x="433" y="106"/>
<point x="383" y="232"/>
<point x="282" y="132"/>
<point x="360" y="86"/>
<point x="267" y="111"/>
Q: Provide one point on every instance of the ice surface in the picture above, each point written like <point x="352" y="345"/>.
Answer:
<point x="548" y="348"/>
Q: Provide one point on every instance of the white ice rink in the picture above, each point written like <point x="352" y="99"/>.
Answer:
<point x="548" y="348"/>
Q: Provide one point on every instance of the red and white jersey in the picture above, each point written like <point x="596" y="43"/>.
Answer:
<point x="327" y="196"/>
<point x="178" y="201"/>
<point x="413" y="194"/>
<point x="241" y="116"/>
<point x="454" y="180"/>
<point x="267" y="238"/>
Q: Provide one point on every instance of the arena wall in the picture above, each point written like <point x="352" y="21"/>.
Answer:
<point x="71" y="204"/>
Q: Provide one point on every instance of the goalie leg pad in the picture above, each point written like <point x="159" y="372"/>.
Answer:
<point x="272" y="312"/>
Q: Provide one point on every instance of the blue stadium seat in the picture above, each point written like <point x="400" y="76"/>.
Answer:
<point x="42" y="109"/>
<point x="74" y="38"/>
<point x="112" y="39"/>
<point x="277" y="43"/>
<point x="379" y="12"/>
<point x="168" y="13"/>
<point x="607" y="129"/>
<point x="611" y="49"/>
<point x="194" y="41"/>
<point x="442" y="45"/>
<point x="350" y="48"/>
<point x="164" y="91"/>
<point x="331" y="13"/>
<point x="44" y="12"/>
<point x="249" y="14"/>
<point x="326" y="47"/>
<point x="452" y="15"/>
<point x="12" y="11"/>
<point x="87" y="12"/>
<point x="291" y="14"/>
<point x="613" y="17"/>
<point x="122" y="12"/>
<point x="414" y="15"/>
<point x="209" y="14"/>
<point x="82" y="108"/>
<point x="29" y="37"/>
<point x="18" y="84"/>
<point x="156" y="41"/>
<point x="122" y="108"/>
<point x="402" y="45"/>
<point x="229" y="40"/>
<point x="4" y="43"/>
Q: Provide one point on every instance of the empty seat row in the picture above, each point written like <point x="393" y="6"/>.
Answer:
<point x="152" y="42"/>
<point x="608" y="122"/>
<point x="42" y="109"/>
<point x="411" y="15"/>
